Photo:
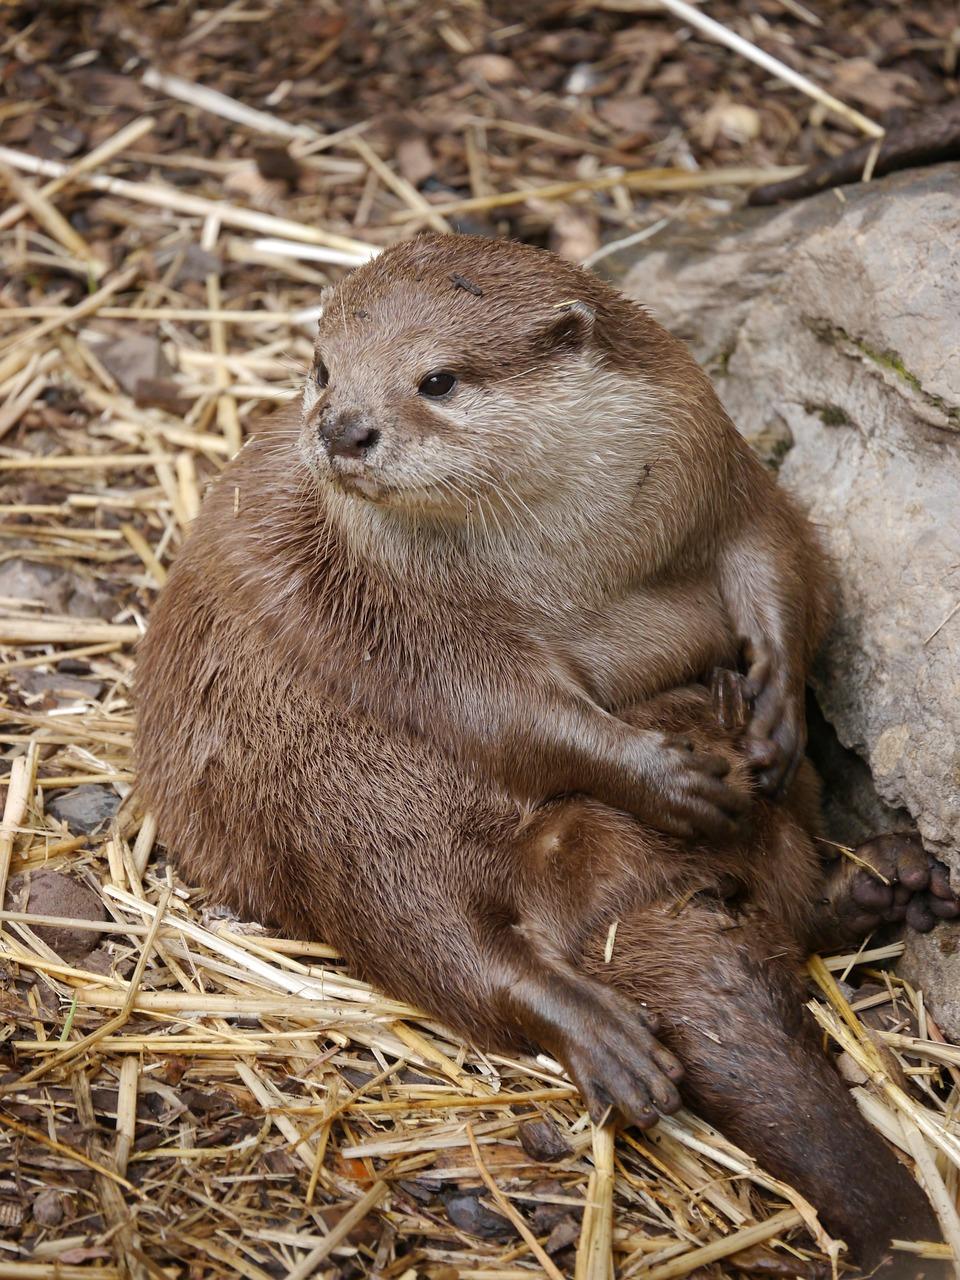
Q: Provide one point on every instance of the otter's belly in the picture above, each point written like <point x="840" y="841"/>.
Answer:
<point x="651" y="640"/>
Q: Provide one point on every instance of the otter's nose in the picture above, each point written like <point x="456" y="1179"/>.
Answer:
<point x="348" y="436"/>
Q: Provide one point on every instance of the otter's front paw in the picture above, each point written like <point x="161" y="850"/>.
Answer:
<point x="691" y="794"/>
<point x="777" y="728"/>
<point x="617" y="1063"/>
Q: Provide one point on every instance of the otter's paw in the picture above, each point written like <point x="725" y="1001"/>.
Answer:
<point x="692" y="795"/>
<point x="776" y="735"/>
<point x="617" y="1063"/>
<point x="907" y="883"/>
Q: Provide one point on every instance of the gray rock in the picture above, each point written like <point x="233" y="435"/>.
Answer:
<point x="48" y="1207"/>
<point x="59" y="686"/>
<point x="60" y="590"/>
<point x="132" y="357"/>
<point x="466" y="1210"/>
<point x="85" y="809"/>
<point x="830" y="328"/>
<point x="190" y="262"/>
<point x="39" y="583"/>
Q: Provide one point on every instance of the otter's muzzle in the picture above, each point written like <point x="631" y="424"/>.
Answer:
<point x="347" y="434"/>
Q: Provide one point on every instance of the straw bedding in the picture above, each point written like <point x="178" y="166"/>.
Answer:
<point x="182" y="1094"/>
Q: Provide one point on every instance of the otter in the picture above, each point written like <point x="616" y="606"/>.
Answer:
<point x="427" y="680"/>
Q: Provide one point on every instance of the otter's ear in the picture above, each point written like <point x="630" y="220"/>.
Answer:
<point x="571" y="330"/>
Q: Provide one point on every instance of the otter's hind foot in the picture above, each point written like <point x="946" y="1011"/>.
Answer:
<point x="891" y="878"/>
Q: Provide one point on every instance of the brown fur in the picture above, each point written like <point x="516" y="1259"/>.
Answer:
<point x="361" y="711"/>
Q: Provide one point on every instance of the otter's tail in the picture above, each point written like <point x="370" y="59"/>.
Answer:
<point x="731" y="1009"/>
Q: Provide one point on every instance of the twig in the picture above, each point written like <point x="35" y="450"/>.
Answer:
<point x="83" y="309"/>
<point x="79" y="1047"/>
<point x="932" y="1182"/>
<point x="37" y="1135"/>
<point x="777" y="68"/>
<point x="626" y="242"/>
<point x="940" y="625"/>
<point x="52" y="220"/>
<point x="220" y="104"/>
<point x="79" y="631"/>
<point x="143" y="549"/>
<point x="733" y="1243"/>
<point x="595" y="1250"/>
<point x="645" y="180"/>
<point x="161" y="197"/>
<point x="307" y="253"/>
<point x="411" y="197"/>
<point x="19" y="789"/>
<point x="930" y="140"/>
<point x="187" y="315"/>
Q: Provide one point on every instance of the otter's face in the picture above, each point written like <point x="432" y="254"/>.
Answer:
<point x="459" y="387"/>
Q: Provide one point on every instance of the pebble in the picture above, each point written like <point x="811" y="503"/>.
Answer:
<point x="52" y="893"/>
<point x="466" y="1211"/>
<point x="85" y="809"/>
<point x="543" y="1141"/>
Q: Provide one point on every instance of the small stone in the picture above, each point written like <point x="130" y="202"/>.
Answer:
<point x="630" y="115"/>
<point x="492" y="67"/>
<point x="59" y="590"/>
<point x="758" y="1260"/>
<point x="415" y="159"/>
<point x="583" y="79"/>
<point x="731" y="120"/>
<point x="546" y="1213"/>
<point x="565" y="1232"/>
<point x="572" y="45"/>
<point x="543" y="1141"/>
<point x="574" y="234"/>
<point x="279" y="1162"/>
<point x="42" y="583"/>
<point x="850" y="1069"/>
<point x="99" y="961"/>
<point x="246" y="181"/>
<point x="277" y="163"/>
<point x="52" y="893"/>
<point x="191" y="264"/>
<point x="85" y="809"/>
<point x="465" y="1210"/>
<point x="59" y="686"/>
<point x="161" y="393"/>
<point x="74" y="667"/>
<point x="132" y="357"/>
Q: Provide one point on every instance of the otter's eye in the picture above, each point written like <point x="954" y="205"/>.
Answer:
<point x="437" y="385"/>
<point x="322" y="374"/>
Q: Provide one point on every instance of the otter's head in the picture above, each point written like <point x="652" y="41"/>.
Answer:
<point x="453" y="372"/>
